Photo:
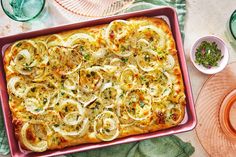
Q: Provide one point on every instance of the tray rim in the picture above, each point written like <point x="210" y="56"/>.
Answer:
<point x="174" y="26"/>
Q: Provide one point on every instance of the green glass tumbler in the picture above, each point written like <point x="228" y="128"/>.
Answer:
<point x="232" y="25"/>
<point x="23" y="10"/>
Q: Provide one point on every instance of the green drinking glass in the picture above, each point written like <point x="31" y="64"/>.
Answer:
<point x="232" y="25"/>
<point x="23" y="10"/>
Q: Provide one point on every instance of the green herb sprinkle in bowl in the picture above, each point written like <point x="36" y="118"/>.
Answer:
<point x="209" y="54"/>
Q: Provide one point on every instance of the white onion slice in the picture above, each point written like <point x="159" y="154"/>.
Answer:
<point x="72" y="71"/>
<point x="70" y="83"/>
<point x="40" y="74"/>
<point x="22" y="90"/>
<point x="128" y="77"/>
<point x="34" y="106"/>
<point x="110" y="128"/>
<point x="166" y="89"/>
<point x="100" y="53"/>
<point x="143" y="43"/>
<point x="79" y="36"/>
<point x="106" y="68"/>
<point x="151" y="64"/>
<point x="170" y="62"/>
<point x="139" y="102"/>
<point x="80" y="133"/>
<point x="157" y="30"/>
<point x="66" y="102"/>
<point x="73" y="118"/>
<point x="171" y="108"/>
<point x="109" y="28"/>
<point x="87" y="101"/>
<point x="39" y="147"/>
<point x="90" y="80"/>
<point x="54" y="40"/>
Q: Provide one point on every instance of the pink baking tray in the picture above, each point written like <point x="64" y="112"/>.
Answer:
<point x="187" y="124"/>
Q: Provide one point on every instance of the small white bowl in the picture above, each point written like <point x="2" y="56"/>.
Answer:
<point x="224" y="51"/>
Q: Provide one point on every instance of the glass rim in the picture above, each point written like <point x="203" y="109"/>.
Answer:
<point x="230" y="27"/>
<point x="23" y="20"/>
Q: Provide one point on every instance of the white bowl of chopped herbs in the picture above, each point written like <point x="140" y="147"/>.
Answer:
<point x="209" y="54"/>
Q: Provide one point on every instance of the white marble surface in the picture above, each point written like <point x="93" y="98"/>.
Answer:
<point x="204" y="17"/>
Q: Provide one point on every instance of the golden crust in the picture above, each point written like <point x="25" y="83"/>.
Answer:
<point x="157" y="120"/>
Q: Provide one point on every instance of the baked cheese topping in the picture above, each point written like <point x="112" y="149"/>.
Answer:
<point x="94" y="84"/>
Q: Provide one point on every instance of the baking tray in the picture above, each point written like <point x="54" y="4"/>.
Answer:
<point x="187" y="124"/>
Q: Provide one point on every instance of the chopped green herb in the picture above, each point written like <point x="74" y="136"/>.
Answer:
<point x="124" y="59"/>
<point x="142" y="104"/>
<point x="86" y="56"/>
<point x="56" y="125"/>
<point x="37" y="109"/>
<point x="27" y="68"/>
<point x="18" y="45"/>
<point x="121" y="95"/>
<point x="208" y="54"/>
<point x="122" y="48"/>
<point x="81" y="48"/>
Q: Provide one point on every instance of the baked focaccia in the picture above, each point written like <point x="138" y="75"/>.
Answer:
<point x="94" y="84"/>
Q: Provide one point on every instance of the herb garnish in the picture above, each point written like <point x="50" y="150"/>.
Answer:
<point x="208" y="54"/>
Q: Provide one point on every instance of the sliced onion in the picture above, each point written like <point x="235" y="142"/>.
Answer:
<point x="90" y="80"/>
<point x="66" y="102"/>
<point x="65" y="60"/>
<point x="23" y="53"/>
<point x="54" y="40"/>
<point x="117" y="36"/>
<point x="81" y="132"/>
<point x="108" y="91"/>
<point x="40" y="74"/>
<point x="166" y="90"/>
<point x="110" y="126"/>
<point x="42" y="52"/>
<point x="149" y="65"/>
<point x="54" y="99"/>
<point x="23" y="43"/>
<point x="128" y="77"/>
<point x="79" y="36"/>
<point x="87" y="99"/>
<point x="39" y="147"/>
<point x="138" y="104"/>
<point x="73" y="118"/>
<point x="22" y="90"/>
<point x="157" y="30"/>
<point x="70" y="83"/>
<point x="20" y="65"/>
<point x="100" y="53"/>
<point x="106" y="68"/>
<point x="109" y="29"/>
<point x="170" y="62"/>
<point x="72" y="71"/>
<point x="143" y="44"/>
<point x="34" y="106"/>
<point x="172" y="109"/>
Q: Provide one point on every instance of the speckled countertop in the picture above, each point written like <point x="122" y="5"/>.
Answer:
<point x="203" y="18"/>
